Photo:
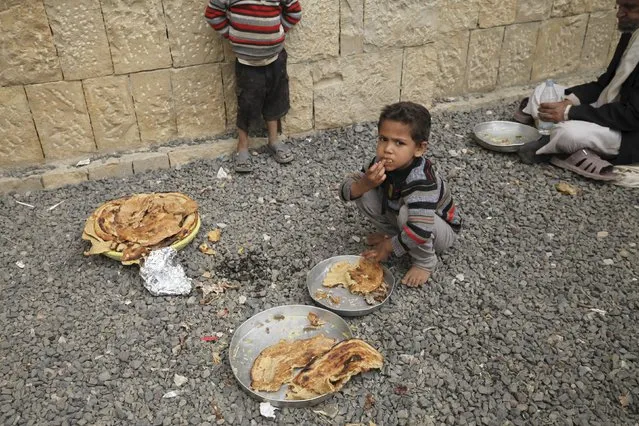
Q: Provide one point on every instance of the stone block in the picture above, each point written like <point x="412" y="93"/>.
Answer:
<point x="80" y="38"/>
<point x="153" y="99"/>
<point x="147" y="161"/>
<point x="602" y="5"/>
<point x="533" y="10"/>
<point x="199" y="100"/>
<point x="457" y="15"/>
<point x="517" y="53"/>
<point x="399" y="24"/>
<point x="191" y="38"/>
<point x="559" y="45"/>
<point x="188" y="154"/>
<point x="493" y="13"/>
<point x="104" y="169"/>
<point x="483" y="59"/>
<point x="316" y="36"/>
<point x="112" y="113"/>
<point x="570" y="7"/>
<point x="19" y="185"/>
<point x="351" y="34"/>
<point x="230" y="95"/>
<point x="61" y="118"/>
<point x="27" y="52"/>
<point x="137" y="35"/>
<point x="601" y="25"/>
<point x="229" y="56"/>
<point x="435" y="70"/>
<point x="300" y="117"/>
<point x="412" y="23"/>
<point x="353" y="89"/>
<point x="20" y="143"/>
<point x="62" y="177"/>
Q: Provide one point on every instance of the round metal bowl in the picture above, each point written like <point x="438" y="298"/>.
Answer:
<point x="269" y="327"/>
<point x="504" y="136"/>
<point x="350" y="305"/>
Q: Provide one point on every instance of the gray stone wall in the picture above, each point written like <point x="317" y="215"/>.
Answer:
<point x="84" y="77"/>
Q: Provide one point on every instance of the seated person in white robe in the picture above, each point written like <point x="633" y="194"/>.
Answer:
<point x="596" y="121"/>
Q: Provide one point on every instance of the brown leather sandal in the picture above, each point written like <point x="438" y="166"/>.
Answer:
<point x="588" y="164"/>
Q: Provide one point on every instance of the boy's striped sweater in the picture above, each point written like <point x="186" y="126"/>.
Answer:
<point x="425" y="194"/>
<point x="255" y="28"/>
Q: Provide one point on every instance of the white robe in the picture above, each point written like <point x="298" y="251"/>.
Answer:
<point x="572" y="135"/>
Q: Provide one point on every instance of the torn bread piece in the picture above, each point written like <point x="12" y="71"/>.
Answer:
<point x="274" y="365"/>
<point x="331" y="371"/>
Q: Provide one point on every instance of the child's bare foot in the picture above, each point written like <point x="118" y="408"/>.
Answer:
<point x="416" y="277"/>
<point x="376" y="238"/>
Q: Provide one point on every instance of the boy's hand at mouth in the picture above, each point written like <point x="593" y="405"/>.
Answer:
<point x="380" y="252"/>
<point x="375" y="175"/>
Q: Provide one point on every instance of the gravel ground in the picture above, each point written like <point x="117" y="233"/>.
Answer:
<point x="530" y="319"/>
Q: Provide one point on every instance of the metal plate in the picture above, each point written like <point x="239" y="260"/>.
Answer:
<point x="267" y="328"/>
<point x="504" y="136"/>
<point x="351" y="305"/>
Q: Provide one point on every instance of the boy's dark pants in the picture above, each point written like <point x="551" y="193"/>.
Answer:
<point x="261" y="91"/>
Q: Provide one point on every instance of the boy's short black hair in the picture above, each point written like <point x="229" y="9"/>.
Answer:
<point x="415" y="115"/>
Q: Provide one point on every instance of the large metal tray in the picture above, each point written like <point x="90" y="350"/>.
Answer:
<point x="490" y="135"/>
<point x="268" y="328"/>
<point x="351" y="305"/>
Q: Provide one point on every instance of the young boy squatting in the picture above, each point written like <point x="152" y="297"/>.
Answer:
<point x="403" y="195"/>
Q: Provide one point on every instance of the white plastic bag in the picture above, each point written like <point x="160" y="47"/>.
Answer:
<point x="163" y="276"/>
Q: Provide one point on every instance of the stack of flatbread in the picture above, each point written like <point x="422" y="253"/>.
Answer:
<point x="135" y="225"/>
<point x="366" y="278"/>
<point x="326" y="366"/>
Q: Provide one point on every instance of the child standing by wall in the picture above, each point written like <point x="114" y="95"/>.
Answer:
<point x="403" y="195"/>
<point x="256" y="30"/>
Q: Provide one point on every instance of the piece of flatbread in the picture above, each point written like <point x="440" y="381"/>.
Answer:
<point x="274" y="365"/>
<point x="330" y="372"/>
<point x="367" y="277"/>
<point x="139" y="223"/>
<point x="363" y="278"/>
<point x="338" y="275"/>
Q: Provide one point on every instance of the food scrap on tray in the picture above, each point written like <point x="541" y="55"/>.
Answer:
<point x="366" y="278"/>
<point x="314" y="320"/>
<point x="501" y="140"/>
<point x="321" y="294"/>
<point x="137" y="224"/>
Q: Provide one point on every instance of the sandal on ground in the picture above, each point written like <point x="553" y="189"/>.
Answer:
<point x="243" y="162"/>
<point x="521" y="116"/>
<point x="587" y="164"/>
<point x="281" y="152"/>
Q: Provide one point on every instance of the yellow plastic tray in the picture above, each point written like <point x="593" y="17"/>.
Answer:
<point x="178" y="245"/>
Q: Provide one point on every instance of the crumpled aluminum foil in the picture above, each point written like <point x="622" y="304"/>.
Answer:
<point x="163" y="276"/>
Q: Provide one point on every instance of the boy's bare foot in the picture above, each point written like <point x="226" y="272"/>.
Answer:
<point x="376" y="238"/>
<point x="416" y="277"/>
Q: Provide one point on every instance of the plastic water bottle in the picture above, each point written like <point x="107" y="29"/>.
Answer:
<point x="549" y="94"/>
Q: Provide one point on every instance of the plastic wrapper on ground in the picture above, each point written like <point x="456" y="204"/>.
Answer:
<point x="163" y="275"/>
